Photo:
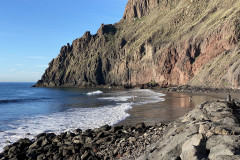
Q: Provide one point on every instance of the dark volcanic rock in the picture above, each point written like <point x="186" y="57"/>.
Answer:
<point x="158" y="42"/>
<point x="210" y="131"/>
<point x="105" y="142"/>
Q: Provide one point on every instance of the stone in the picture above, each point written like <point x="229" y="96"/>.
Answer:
<point x="116" y="128"/>
<point x="40" y="135"/>
<point x="218" y="130"/>
<point x="35" y="144"/>
<point x="220" y="150"/>
<point x="105" y="128"/>
<point x="88" y="139"/>
<point x="24" y="143"/>
<point x="145" y="135"/>
<point x="14" y="150"/>
<point x="227" y="140"/>
<point x="228" y="157"/>
<point x="203" y="128"/>
<point x="50" y="136"/>
<point x="44" y="142"/>
<point x="100" y="141"/>
<point x="194" y="147"/>
<point x="126" y="154"/>
<point x="41" y="157"/>
<point x="100" y="135"/>
<point x="209" y="134"/>
<point x="119" y="156"/>
<point x="77" y="131"/>
<point x="225" y="132"/>
<point x="66" y="152"/>
<point x="56" y="156"/>
<point x="194" y="128"/>
<point x="77" y="141"/>
<point x="132" y="140"/>
<point x="177" y="140"/>
<point x="115" y="152"/>
<point x="86" y="155"/>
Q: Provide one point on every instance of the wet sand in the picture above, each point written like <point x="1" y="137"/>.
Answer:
<point x="175" y="106"/>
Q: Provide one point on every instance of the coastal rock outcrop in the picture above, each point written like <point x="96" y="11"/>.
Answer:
<point x="168" y="43"/>
<point x="210" y="131"/>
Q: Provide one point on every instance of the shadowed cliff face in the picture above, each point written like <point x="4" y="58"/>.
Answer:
<point x="170" y="43"/>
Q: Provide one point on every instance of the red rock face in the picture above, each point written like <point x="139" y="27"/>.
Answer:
<point x="166" y="53"/>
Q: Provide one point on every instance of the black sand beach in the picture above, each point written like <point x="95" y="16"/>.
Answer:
<point x="173" y="107"/>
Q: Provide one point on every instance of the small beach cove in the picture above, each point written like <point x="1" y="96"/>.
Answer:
<point x="173" y="107"/>
<point x="60" y="110"/>
<point x="27" y="111"/>
<point x="206" y="123"/>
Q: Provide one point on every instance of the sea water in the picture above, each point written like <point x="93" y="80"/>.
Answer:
<point x="26" y="111"/>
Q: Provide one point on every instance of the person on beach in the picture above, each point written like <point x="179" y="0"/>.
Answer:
<point x="190" y="98"/>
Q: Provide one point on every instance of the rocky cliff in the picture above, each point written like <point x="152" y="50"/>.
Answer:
<point x="164" y="42"/>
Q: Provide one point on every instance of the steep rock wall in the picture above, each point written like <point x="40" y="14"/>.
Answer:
<point x="157" y="41"/>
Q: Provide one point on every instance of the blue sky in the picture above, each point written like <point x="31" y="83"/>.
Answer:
<point x="33" y="31"/>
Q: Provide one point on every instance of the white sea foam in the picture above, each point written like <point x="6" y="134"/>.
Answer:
<point x="143" y="96"/>
<point x="150" y="96"/>
<point x="83" y="118"/>
<point x="117" y="99"/>
<point x="94" y="93"/>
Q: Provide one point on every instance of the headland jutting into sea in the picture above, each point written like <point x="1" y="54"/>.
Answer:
<point x="157" y="43"/>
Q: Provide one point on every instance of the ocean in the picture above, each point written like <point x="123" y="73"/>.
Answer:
<point x="26" y="111"/>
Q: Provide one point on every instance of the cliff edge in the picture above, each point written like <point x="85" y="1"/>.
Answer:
<point x="169" y="43"/>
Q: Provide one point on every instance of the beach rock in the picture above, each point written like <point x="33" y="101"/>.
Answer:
<point x="36" y="144"/>
<point x="100" y="134"/>
<point x="203" y="128"/>
<point x="221" y="150"/>
<point x="211" y="140"/>
<point x="77" y="131"/>
<point x="116" y="128"/>
<point x="187" y="138"/>
<point x="209" y="134"/>
<point x="41" y="157"/>
<point x="194" y="148"/>
<point x="86" y="155"/>
<point x="132" y="140"/>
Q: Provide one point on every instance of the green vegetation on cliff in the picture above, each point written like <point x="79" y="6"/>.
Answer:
<point x="168" y="42"/>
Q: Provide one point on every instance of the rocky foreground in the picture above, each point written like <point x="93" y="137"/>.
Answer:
<point x="210" y="131"/>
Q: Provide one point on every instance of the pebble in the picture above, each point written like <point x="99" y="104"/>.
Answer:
<point x="188" y="138"/>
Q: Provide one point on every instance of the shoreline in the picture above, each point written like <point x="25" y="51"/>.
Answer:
<point x="181" y="88"/>
<point x="174" y="106"/>
<point x="198" y="89"/>
<point x="129" y="141"/>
